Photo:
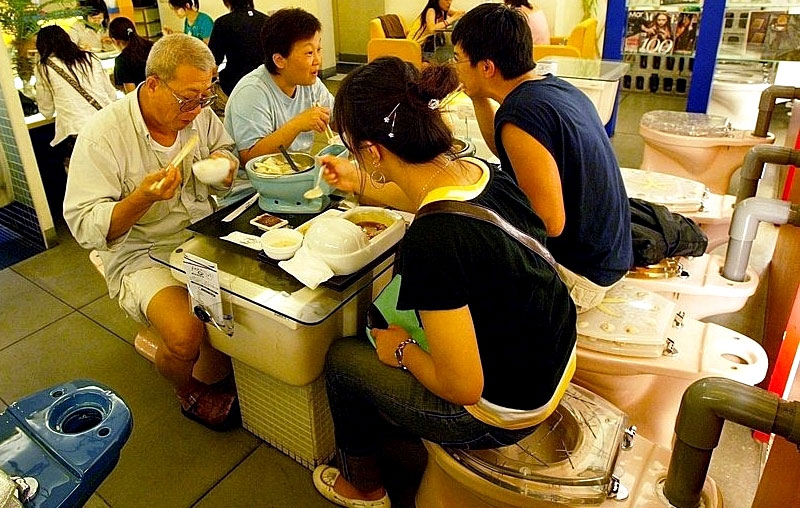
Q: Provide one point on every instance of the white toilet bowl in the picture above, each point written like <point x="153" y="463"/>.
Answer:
<point x="690" y="198"/>
<point x="578" y="456"/>
<point x="640" y="353"/>
<point x="736" y="92"/>
<point x="695" y="146"/>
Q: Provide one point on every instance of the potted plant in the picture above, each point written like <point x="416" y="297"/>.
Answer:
<point x="21" y="19"/>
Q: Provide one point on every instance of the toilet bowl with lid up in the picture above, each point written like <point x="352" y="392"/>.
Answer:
<point x="584" y="454"/>
<point x="694" y="145"/>
<point x="690" y="198"/>
<point x="640" y="352"/>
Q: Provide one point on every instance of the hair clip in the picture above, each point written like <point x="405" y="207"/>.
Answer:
<point x="392" y="116"/>
<point x="433" y="104"/>
<point x="129" y="31"/>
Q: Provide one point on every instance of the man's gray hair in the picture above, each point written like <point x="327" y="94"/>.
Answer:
<point x="178" y="49"/>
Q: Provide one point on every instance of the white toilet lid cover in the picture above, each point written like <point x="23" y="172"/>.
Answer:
<point x="680" y="195"/>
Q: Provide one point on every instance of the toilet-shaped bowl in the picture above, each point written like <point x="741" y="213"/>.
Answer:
<point x="640" y="353"/>
<point x="696" y="284"/>
<point x="68" y="437"/>
<point x="569" y="460"/>
<point x="710" y="159"/>
<point x="690" y="198"/>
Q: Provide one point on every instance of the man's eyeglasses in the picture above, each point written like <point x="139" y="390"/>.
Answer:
<point x="187" y="104"/>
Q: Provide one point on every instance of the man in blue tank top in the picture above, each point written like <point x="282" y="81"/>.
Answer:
<point x="548" y="135"/>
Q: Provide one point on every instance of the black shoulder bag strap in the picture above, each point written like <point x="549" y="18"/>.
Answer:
<point x="74" y="84"/>
<point x="487" y="215"/>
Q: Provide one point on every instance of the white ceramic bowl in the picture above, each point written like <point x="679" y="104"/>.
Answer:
<point x="281" y="243"/>
<point x="211" y="171"/>
<point x="335" y="236"/>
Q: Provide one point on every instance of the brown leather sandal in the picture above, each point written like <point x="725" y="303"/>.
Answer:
<point x="214" y="406"/>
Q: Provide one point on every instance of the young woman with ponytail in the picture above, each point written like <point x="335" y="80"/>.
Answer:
<point x="134" y="49"/>
<point x="498" y="322"/>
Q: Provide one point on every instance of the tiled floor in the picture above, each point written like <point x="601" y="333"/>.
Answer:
<point x="58" y="324"/>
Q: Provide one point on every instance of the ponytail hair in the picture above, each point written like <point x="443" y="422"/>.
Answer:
<point x="137" y="47"/>
<point x="389" y="88"/>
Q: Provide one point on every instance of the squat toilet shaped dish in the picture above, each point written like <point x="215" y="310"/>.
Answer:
<point x="582" y="455"/>
<point x="640" y="352"/>
<point x="696" y="146"/>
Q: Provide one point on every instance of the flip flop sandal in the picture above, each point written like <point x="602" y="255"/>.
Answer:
<point x="27" y="487"/>
<point x="218" y="415"/>
<point x="325" y="478"/>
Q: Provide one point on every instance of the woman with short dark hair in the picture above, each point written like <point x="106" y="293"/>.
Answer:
<point x="129" y="65"/>
<point x="91" y="33"/>
<point x="61" y="64"/>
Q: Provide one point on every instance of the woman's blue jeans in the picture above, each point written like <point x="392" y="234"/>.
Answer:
<point x="364" y="393"/>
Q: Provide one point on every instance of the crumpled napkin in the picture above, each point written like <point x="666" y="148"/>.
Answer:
<point x="307" y="268"/>
<point x="243" y="239"/>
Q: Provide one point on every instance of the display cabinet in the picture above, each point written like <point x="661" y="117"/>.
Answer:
<point x="682" y="59"/>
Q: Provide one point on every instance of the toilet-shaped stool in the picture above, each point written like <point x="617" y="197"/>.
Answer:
<point x="695" y="146"/>
<point x="638" y="351"/>
<point x="584" y="454"/>
<point x="212" y="365"/>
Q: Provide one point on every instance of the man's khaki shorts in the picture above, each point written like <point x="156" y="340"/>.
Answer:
<point x="585" y="293"/>
<point x="139" y="287"/>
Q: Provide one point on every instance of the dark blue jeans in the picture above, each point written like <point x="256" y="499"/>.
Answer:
<point x="364" y="394"/>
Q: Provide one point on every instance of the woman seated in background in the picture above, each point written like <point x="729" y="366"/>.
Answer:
<point x="91" y="33"/>
<point x="536" y="19"/>
<point x="129" y="65"/>
<point x="195" y="23"/>
<point x="498" y="322"/>
<point x="436" y="15"/>
<point x="70" y="82"/>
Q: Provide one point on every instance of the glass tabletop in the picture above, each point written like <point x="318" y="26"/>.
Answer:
<point x="263" y="284"/>
<point x="570" y="67"/>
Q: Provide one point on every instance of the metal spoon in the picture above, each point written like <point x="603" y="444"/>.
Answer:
<point x="288" y="159"/>
<point x="316" y="191"/>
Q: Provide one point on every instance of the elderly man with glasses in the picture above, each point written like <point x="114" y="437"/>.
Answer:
<point x="124" y="196"/>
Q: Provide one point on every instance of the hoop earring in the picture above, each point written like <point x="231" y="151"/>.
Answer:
<point x="377" y="179"/>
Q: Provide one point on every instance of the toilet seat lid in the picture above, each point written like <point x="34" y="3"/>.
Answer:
<point x="630" y="321"/>
<point x="682" y="123"/>
<point x="679" y="194"/>
<point x="576" y="448"/>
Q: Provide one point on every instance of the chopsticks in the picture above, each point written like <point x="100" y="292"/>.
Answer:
<point x="188" y="147"/>
<point x="328" y="132"/>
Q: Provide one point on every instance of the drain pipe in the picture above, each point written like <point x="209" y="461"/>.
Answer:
<point x="706" y="405"/>
<point x="753" y="166"/>
<point x="767" y="105"/>
<point x="746" y="217"/>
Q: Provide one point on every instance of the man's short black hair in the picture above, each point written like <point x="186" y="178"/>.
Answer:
<point x="497" y="33"/>
<point x="283" y="29"/>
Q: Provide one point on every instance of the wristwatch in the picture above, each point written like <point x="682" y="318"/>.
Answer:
<point x="398" y="353"/>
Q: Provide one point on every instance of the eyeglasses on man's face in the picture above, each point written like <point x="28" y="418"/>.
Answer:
<point x="190" y="104"/>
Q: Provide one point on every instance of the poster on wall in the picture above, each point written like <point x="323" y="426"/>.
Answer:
<point x="650" y="32"/>
<point x="686" y="32"/>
